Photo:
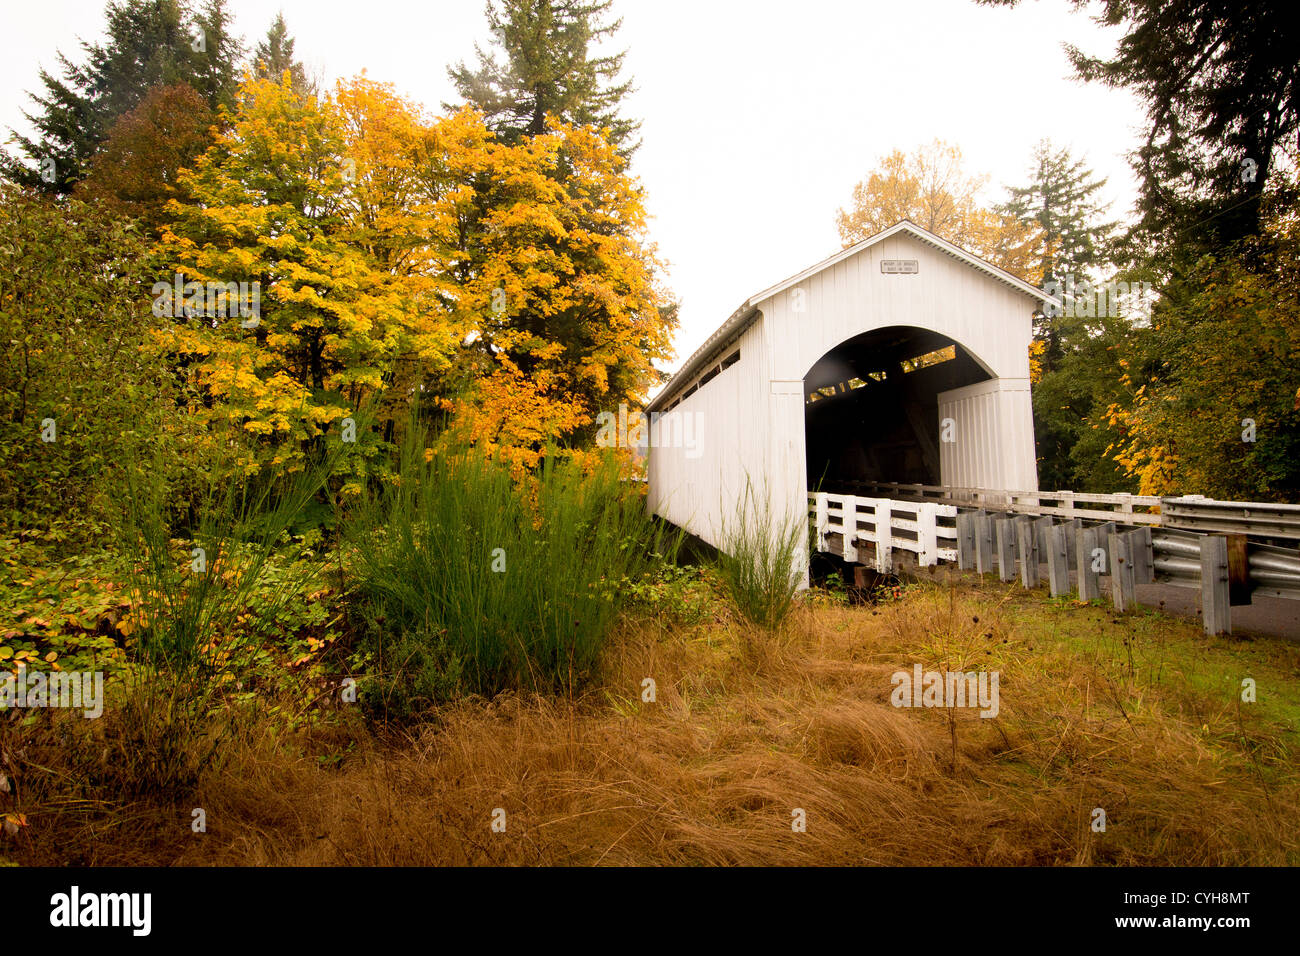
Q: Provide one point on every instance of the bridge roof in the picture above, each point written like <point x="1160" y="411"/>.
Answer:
<point x="749" y="309"/>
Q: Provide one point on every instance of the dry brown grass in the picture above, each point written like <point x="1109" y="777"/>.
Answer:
<point x="744" y="731"/>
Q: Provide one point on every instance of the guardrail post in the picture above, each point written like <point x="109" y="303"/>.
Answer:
<point x="1058" y="559"/>
<point x="1041" y="527"/>
<point x="1072" y="541"/>
<point x="1006" y="533"/>
<point x="1027" y="536"/>
<point x="1143" y="555"/>
<point x="983" y="543"/>
<point x="1122" y="590"/>
<point x="1089" y="572"/>
<point x="850" y="522"/>
<point x="965" y="540"/>
<point x="1238" y="569"/>
<point x="1216" y="614"/>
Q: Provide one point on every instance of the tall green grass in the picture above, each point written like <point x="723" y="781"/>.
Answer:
<point x="189" y="586"/>
<point x="757" y="559"/>
<point x="469" y="583"/>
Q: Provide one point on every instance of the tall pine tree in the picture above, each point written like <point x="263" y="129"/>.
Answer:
<point x="1221" y="84"/>
<point x="1075" y="365"/>
<point x="150" y="43"/>
<point x="274" y="55"/>
<point x="1073" y="239"/>
<point x="549" y="68"/>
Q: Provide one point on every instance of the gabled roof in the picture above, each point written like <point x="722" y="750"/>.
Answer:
<point x="744" y="315"/>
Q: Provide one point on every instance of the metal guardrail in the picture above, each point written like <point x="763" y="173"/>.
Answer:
<point x="1191" y="512"/>
<point x="1228" y="569"/>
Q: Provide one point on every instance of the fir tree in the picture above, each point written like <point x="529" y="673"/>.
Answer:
<point x="150" y="43"/>
<point x="549" y="69"/>
<point x="274" y="55"/>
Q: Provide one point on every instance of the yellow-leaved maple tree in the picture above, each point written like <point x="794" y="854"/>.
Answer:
<point x="400" y="256"/>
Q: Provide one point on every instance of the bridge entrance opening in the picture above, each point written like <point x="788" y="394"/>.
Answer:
<point x="871" y="408"/>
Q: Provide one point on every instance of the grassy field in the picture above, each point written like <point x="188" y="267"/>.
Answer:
<point x="1140" y="716"/>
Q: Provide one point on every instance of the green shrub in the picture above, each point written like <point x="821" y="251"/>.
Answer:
<point x="192" y="641"/>
<point x="468" y="583"/>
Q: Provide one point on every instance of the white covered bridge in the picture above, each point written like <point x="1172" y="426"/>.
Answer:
<point x="899" y="359"/>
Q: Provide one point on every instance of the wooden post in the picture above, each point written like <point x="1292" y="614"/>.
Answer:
<point x="927" y="535"/>
<point x="1072" y="541"/>
<point x="1089" y="579"/>
<point x="1058" y="559"/>
<point x="1028" y="538"/>
<point x="1143" y="554"/>
<point x="1216" y="608"/>
<point x="965" y="540"/>
<point x="1041" y="527"/>
<point x="1104" y="531"/>
<point x="884" y="534"/>
<point x="1238" y="569"/>
<point x="983" y="543"/>
<point x="1006" y="532"/>
<point x="1121" y="571"/>
<point x="823" y="518"/>
<point x="850" y="549"/>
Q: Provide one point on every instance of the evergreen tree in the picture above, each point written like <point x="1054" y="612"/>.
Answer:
<point x="274" y="55"/>
<point x="1075" y="366"/>
<point x="150" y="43"/>
<point x="1061" y="200"/>
<point x="1221" y="84"/>
<point x="549" y="68"/>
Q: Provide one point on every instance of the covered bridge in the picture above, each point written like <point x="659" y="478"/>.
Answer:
<point x="899" y="359"/>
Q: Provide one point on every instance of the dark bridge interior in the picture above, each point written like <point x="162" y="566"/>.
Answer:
<point x="871" y="407"/>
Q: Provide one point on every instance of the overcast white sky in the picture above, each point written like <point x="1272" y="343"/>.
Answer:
<point x="759" y="116"/>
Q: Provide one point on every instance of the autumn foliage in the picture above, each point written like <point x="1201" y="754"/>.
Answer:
<point x="396" y="253"/>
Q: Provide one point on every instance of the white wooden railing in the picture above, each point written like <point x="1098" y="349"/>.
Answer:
<point x="886" y="525"/>
<point x="1227" y="568"/>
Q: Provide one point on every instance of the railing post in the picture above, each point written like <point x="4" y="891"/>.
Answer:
<point x="1122" y="591"/>
<point x="1041" y="526"/>
<point x="850" y="521"/>
<point x="1089" y="574"/>
<point x="823" y="519"/>
<point x="1006" y="533"/>
<point x="1028" y="538"/>
<point x="983" y="543"/>
<point x="927" y="535"/>
<point x="1143" y="554"/>
<point x="884" y="534"/>
<point x="1072" y="541"/>
<point x="1058" y="559"/>
<point x="965" y="540"/>
<point x="1216" y="607"/>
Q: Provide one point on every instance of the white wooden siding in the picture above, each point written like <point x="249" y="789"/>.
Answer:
<point x="753" y="413"/>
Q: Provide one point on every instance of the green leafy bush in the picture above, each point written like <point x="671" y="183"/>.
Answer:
<point x="470" y="583"/>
